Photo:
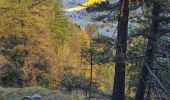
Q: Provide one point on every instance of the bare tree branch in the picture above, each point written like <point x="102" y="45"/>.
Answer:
<point x="157" y="79"/>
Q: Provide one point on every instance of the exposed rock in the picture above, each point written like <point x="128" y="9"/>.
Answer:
<point x="33" y="97"/>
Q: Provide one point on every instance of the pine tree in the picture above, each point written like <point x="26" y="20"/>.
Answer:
<point x="149" y="68"/>
<point x="119" y="81"/>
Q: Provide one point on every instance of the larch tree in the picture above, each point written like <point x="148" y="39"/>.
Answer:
<point x="26" y="37"/>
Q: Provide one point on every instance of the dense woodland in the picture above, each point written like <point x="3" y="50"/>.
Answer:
<point x="41" y="47"/>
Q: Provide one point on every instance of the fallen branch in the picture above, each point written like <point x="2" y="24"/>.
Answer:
<point x="157" y="79"/>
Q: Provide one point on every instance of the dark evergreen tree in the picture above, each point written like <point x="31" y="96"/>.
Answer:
<point x="119" y="81"/>
<point x="150" y="52"/>
<point x="149" y="72"/>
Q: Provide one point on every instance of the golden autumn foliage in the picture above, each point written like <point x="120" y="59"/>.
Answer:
<point x="36" y="44"/>
<point x="91" y="2"/>
<point x="84" y="5"/>
<point x="24" y="25"/>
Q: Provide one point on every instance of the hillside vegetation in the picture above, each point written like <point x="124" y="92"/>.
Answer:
<point x="61" y="56"/>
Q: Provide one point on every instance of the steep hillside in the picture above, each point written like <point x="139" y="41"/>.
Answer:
<point x="28" y="42"/>
<point x="82" y="18"/>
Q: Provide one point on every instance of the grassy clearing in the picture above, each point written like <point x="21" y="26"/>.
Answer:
<point x="19" y="93"/>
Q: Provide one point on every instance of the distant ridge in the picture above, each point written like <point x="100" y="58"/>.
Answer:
<point x="83" y="6"/>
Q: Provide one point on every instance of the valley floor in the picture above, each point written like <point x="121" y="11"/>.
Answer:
<point x="20" y="93"/>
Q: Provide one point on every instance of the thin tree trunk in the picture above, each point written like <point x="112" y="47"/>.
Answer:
<point x="91" y="65"/>
<point x="149" y="60"/>
<point x="119" y="80"/>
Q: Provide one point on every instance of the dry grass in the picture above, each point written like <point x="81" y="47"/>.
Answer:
<point x="19" y="93"/>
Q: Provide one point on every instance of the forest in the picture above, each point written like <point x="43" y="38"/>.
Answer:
<point x="84" y="49"/>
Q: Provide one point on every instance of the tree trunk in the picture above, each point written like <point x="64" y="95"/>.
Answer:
<point x="119" y="80"/>
<point x="149" y="60"/>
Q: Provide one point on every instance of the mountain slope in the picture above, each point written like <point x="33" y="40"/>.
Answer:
<point x="82" y="18"/>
